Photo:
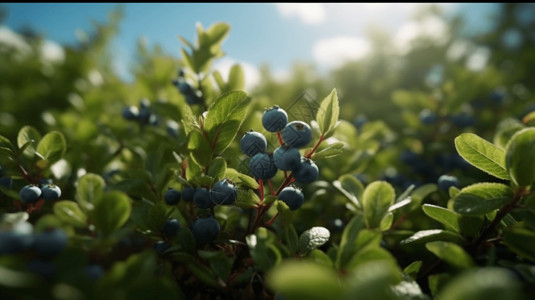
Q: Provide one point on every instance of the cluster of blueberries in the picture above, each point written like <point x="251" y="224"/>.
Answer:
<point x="461" y="120"/>
<point x="185" y="87"/>
<point x="264" y="165"/>
<point x="46" y="190"/>
<point x="143" y="114"/>
<point x="204" y="229"/>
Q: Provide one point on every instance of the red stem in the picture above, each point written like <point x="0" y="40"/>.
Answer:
<point x="272" y="220"/>
<point x="316" y="147"/>
<point x="281" y="142"/>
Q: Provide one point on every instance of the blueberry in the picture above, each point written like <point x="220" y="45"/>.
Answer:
<point x="252" y="143"/>
<point x="170" y="228"/>
<point x="262" y="166"/>
<point x="50" y="192"/>
<point x="224" y="192"/>
<point x="50" y="243"/>
<point x="172" y="128"/>
<point x="185" y="88"/>
<point x="306" y="171"/>
<point x="286" y="158"/>
<point x="181" y="73"/>
<point x="205" y="230"/>
<point x="145" y="115"/>
<point x="172" y="196"/>
<point x="195" y="97"/>
<point x="30" y="193"/>
<point x="202" y="199"/>
<point x="274" y="119"/>
<point x="6" y="182"/>
<point x="409" y="157"/>
<point x="13" y="242"/>
<point x="161" y="247"/>
<point x="188" y="193"/>
<point x="131" y="113"/>
<point x="94" y="271"/>
<point x="428" y="117"/>
<point x="498" y="96"/>
<point x="447" y="181"/>
<point x="292" y="196"/>
<point x="463" y="120"/>
<point x="360" y="121"/>
<point x="144" y="103"/>
<point x="297" y="134"/>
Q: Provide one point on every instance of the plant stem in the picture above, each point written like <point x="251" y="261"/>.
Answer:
<point x="281" y="142"/>
<point x="316" y="146"/>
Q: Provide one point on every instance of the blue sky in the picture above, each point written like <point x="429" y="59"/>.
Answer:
<point x="277" y="34"/>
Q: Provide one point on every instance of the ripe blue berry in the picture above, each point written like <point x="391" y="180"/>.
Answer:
<point x="6" y="182"/>
<point x="360" y="121"/>
<point x="187" y="194"/>
<point x="306" y="171"/>
<point x="463" y="120"/>
<point x="447" y="181"/>
<point x="224" y="192"/>
<point x="286" y="158"/>
<point x="94" y="271"/>
<point x="297" y="134"/>
<point x="428" y="117"/>
<point x="14" y="242"/>
<point x="252" y="143"/>
<point x="205" y="230"/>
<point x="262" y="166"/>
<point x="50" y="243"/>
<point x="170" y="228"/>
<point x="172" y="196"/>
<point x="185" y="88"/>
<point x="131" y="113"/>
<point x="201" y="198"/>
<point x="30" y="193"/>
<point x="409" y="157"/>
<point x="50" y="192"/>
<point x="161" y="247"/>
<point x="292" y="196"/>
<point x="274" y="119"/>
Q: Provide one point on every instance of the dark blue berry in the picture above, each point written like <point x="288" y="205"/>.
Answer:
<point x="172" y="196"/>
<point x="286" y="158"/>
<point x="360" y="121"/>
<point x="292" y="196"/>
<point x="202" y="199"/>
<point x="274" y="119"/>
<point x="170" y="228"/>
<point x="187" y="194"/>
<point x="30" y="193"/>
<point x="262" y="166"/>
<point x="131" y="113"/>
<point x="50" y="192"/>
<point x="161" y="247"/>
<point x="6" y="182"/>
<point x="185" y="88"/>
<point x="252" y="143"/>
<point x="205" y="230"/>
<point x="297" y="134"/>
<point x="428" y="117"/>
<point x="94" y="271"/>
<point x="224" y="192"/>
<point x="14" y="242"/>
<point x="306" y="172"/>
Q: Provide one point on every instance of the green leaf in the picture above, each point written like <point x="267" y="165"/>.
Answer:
<point x="350" y="187"/>
<point x="451" y="253"/>
<point x="482" y="198"/>
<point x="413" y="269"/>
<point x="372" y="280"/>
<point x="297" y="279"/>
<point x="28" y="134"/>
<point x="157" y="216"/>
<point x="112" y="210"/>
<point x="263" y="250"/>
<point x="219" y="80"/>
<point x="199" y="147"/>
<point x="193" y="169"/>
<point x="290" y="237"/>
<point x="529" y="119"/>
<point x="521" y="241"/>
<point x="204" y="273"/>
<point x="376" y="200"/>
<point x="328" y="112"/>
<point x="520" y="160"/>
<point x="313" y="238"/>
<point x="52" y="146"/>
<point x="448" y="218"/>
<point x="216" y="33"/>
<point x="247" y="199"/>
<point x="369" y="254"/>
<point x="330" y="151"/>
<point x="482" y="154"/>
<point x="90" y="187"/>
<point x="16" y="279"/>
<point x="248" y="181"/>
<point x="482" y="284"/>
<point x="70" y="213"/>
<point x="220" y="263"/>
<point x="348" y="243"/>
<point x="505" y="130"/>
<point x="217" y="168"/>
<point x="225" y="118"/>
<point x="320" y="257"/>
<point x="421" y="192"/>
<point x="236" y="78"/>
<point x="431" y="235"/>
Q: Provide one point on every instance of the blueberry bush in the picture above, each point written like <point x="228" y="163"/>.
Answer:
<point x="181" y="185"/>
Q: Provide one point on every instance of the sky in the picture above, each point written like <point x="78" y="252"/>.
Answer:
<point x="261" y="33"/>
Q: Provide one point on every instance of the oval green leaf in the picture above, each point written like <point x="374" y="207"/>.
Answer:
<point x="520" y="158"/>
<point x="377" y="199"/>
<point x="70" y="213"/>
<point x="328" y="112"/>
<point x="90" y="187"/>
<point x="451" y="253"/>
<point x="482" y="198"/>
<point x="52" y="146"/>
<point x="28" y="134"/>
<point x="482" y="154"/>
<point x="448" y="218"/>
<point x="112" y="210"/>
